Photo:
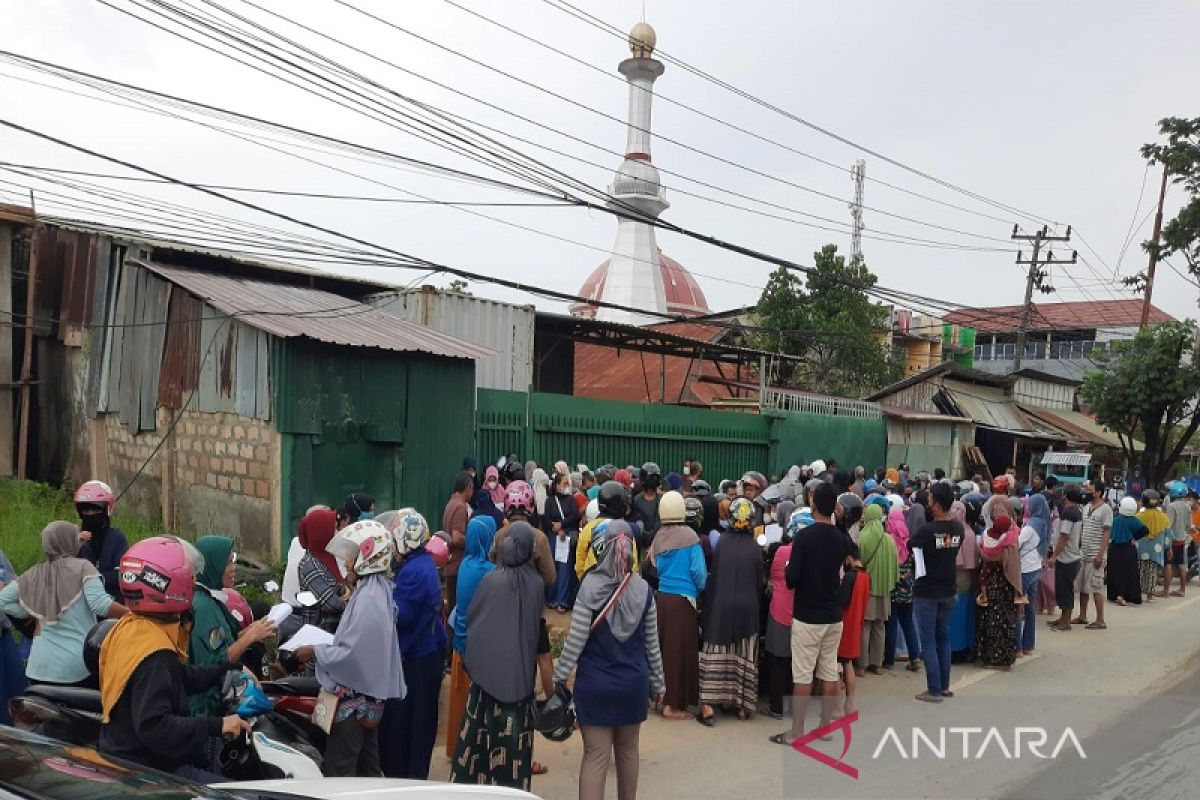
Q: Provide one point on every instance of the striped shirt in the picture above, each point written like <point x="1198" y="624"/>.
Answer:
<point x="1095" y="520"/>
<point x="577" y="637"/>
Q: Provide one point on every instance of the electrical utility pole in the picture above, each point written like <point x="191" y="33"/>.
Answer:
<point x="1038" y="277"/>
<point x="1162" y="194"/>
<point x="858" y="174"/>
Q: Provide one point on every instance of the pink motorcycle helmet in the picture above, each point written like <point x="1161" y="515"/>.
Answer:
<point x="97" y="493"/>
<point x="156" y="577"/>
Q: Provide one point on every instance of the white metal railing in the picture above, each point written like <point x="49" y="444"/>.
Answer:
<point x="809" y="404"/>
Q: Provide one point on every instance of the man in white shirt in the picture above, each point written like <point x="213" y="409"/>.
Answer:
<point x="1093" y="546"/>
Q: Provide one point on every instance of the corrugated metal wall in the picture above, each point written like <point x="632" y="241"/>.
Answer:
<point x="549" y="427"/>
<point x="505" y="328"/>
<point x="395" y="425"/>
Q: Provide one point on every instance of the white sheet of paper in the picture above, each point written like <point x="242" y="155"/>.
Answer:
<point x="271" y="586"/>
<point x="773" y="533"/>
<point x="308" y="635"/>
<point x="562" y="549"/>
<point x="918" y="562"/>
<point x="278" y="613"/>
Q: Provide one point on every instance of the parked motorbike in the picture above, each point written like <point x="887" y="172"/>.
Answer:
<point x="275" y="748"/>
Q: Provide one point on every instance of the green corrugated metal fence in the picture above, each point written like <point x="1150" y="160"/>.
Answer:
<point x="395" y="425"/>
<point x="548" y="427"/>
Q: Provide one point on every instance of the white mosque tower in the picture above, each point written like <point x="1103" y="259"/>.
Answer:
<point x="637" y="274"/>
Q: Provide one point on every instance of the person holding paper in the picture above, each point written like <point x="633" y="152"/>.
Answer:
<point x="936" y="545"/>
<point x="319" y="571"/>
<point x="215" y="636"/>
<point x="361" y="669"/>
<point x="560" y="521"/>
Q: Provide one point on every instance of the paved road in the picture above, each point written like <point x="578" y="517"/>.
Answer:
<point x="1130" y="695"/>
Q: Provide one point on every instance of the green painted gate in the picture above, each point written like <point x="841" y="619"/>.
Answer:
<point x="549" y="427"/>
<point x="393" y="425"/>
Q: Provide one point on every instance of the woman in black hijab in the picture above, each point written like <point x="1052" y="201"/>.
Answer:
<point x="495" y="744"/>
<point x="729" y="655"/>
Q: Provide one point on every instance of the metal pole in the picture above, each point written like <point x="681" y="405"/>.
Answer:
<point x="27" y="358"/>
<point x="1162" y="193"/>
<point x="1033" y="266"/>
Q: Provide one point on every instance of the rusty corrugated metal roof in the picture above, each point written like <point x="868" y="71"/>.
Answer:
<point x="287" y="310"/>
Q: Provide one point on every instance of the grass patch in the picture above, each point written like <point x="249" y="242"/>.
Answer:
<point x="29" y="507"/>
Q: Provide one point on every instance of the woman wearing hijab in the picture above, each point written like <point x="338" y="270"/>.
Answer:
<point x="679" y="559"/>
<point x="916" y="515"/>
<point x="481" y="532"/>
<point x="216" y="636"/>
<point x="962" y="618"/>
<point x="729" y="656"/>
<point x="561" y="525"/>
<point x="541" y="491"/>
<point x="1037" y="516"/>
<point x="613" y="645"/>
<point x="319" y="572"/>
<point x="489" y="498"/>
<point x="361" y="667"/>
<point x="901" y="620"/>
<point x="495" y="741"/>
<point x="64" y="594"/>
<point x="1152" y="548"/>
<point x="409" y="727"/>
<point x="1031" y="572"/>
<point x="1124" y="583"/>
<point x="778" y="641"/>
<point x="881" y="562"/>
<point x="1000" y="584"/>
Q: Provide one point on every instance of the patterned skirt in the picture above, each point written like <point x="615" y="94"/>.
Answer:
<point x="729" y="674"/>
<point x="1149" y="572"/>
<point x="997" y="626"/>
<point x="495" y="745"/>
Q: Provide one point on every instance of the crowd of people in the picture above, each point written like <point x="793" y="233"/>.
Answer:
<point x="684" y="599"/>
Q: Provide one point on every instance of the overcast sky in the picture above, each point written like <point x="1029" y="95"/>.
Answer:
<point x="1039" y="105"/>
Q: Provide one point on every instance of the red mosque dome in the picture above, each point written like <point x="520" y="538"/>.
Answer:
<point x="684" y="296"/>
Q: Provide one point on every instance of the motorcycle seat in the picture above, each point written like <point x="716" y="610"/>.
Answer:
<point x="303" y="685"/>
<point x="72" y="697"/>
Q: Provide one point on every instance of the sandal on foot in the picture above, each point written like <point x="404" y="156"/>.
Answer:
<point x="708" y="721"/>
<point x="1097" y="626"/>
<point x="780" y="738"/>
<point x="1079" y="621"/>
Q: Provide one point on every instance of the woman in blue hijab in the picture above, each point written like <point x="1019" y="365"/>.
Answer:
<point x="1037" y="516"/>
<point x="481" y="532"/>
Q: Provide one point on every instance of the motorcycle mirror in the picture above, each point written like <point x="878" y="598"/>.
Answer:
<point x="306" y="599"/>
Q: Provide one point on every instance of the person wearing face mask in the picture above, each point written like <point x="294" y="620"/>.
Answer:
<point x="103" y="544"/>
<point x="561" y="524"/>
<point x="489" y="497"/>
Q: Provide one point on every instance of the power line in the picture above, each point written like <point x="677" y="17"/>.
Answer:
<point x="410" y="261"/>
<point x="584" y="106"/>
<point x="725" y="123"/>
<point x="230" y="31"/>
<point x="892" y="296"/>
<point x="903" y="239"/>
<point x="574" y="11"/>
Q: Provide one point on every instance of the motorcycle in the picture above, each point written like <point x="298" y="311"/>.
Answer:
<point x="295" y="698"/>
<point x="275" y="748"/>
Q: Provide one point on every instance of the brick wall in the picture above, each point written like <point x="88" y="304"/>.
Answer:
<point x="216" y="474"/>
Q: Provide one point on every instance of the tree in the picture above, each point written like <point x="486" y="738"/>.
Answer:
<point x="830" y="324"/>
<point x="1148" y="389"/>
<point x="1181" y="158"/>
<point x="458" y="286"/>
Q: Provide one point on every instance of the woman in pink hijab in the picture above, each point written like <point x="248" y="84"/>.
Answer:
<point x="962" y="619"/>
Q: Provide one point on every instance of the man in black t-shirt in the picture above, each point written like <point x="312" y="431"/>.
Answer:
<point x="814" y="572"/>
<point x="935" y="549"/>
